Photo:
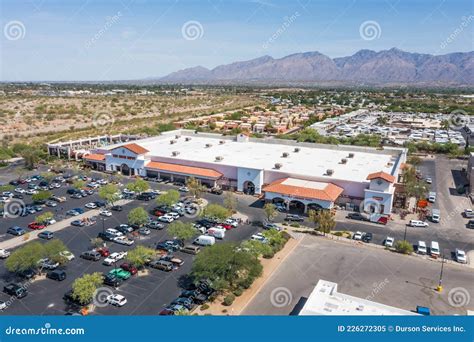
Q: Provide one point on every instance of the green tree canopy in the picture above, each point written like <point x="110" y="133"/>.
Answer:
<point x="226" y="266"/>
<point x="26" y="257"/>
<point x="181" y="230"/>
<point x="41" y="196"/>
<point x="138" y="216"/>
<point x="78" y="184"/>
<point x="109" y="193"/>
<point x="83" y="288"/>
<point x="168" y="198"/>
<point x="44" y="217"/>
<point x="217" y="211"/>
<point x="139" y="185"/>
<point x="270" y="211"/>
<point x="139" y="255"/>
<point x="323" y="220"/>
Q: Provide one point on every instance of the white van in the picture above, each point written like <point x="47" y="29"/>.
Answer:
<point x="434" y="249"/>
<point x="216" y="232"/>
<point x="435" y="215"/>
<point x="421" y="247"/>
<point x="205" y="240"/>
<point x="432" y="197"/>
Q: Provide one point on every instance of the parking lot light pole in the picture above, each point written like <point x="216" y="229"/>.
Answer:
<point x="405" y="234"/>
<point x="103" y="225"/>
<point x="440" y="286"/>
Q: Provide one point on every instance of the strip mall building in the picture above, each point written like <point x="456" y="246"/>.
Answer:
<point x="302" y="175"/>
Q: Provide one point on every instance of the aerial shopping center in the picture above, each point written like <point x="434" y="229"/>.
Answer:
<point x="302" y="175"/>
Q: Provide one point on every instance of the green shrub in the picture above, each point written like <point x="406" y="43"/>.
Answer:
<point x="404" y="247"/>
<point x="246" y="283"/>
<point x="295" y="225"/>
<point x="238" y="292"/>
<point x="204" y="307"/>
<point x="338" y="233"/>
<point x="269" y="255"/>
<point x="228" y="300"/>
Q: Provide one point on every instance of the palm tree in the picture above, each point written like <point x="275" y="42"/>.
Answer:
<point x="195" y="187"/>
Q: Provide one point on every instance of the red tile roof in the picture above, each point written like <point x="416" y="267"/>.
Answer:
<point x="329" y="193"/>
<point x="135" y="148"/>
<point x="94" y="157"/>
<point x="183" y="169"/>
<point x="383" y="175"/>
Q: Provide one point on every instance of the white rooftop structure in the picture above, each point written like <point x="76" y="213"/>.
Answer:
<point x="325" y="300"/>
<point x="262" y="154"/>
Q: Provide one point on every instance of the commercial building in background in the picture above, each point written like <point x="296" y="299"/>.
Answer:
<point x="326" y="300"/>
<point x="301" y="175"/>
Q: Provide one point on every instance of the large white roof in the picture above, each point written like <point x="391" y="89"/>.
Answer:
<point x="309" y="161"/>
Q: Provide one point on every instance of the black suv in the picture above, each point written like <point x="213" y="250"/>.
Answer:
<point x="112" y="280"/>
<point x="16" y="290"/>
<point x="367" y="237"/>
<point x="58" y="275"/>
<point x="106" y="236"/>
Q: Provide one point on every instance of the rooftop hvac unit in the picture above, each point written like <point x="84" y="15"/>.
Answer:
<point x="343" y="161"/>
<point x="297" y="149"/>
<point x="351" y="155"/>
<point x="285" y="154"/>
<point x="172" y="142"/>
<point x="278" y="166"/>
<point x="219" y="158"/>
<point x="175" y="153"/>
<point x="221" y="142"/>
<point x="187" y="138"/>
<point x="208" y="145"/>
<point x="329" y="172"/>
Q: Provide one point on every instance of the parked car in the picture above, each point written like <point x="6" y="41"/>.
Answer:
<point x="120" y="273"/>
<point x="421" y="249"/>
<point x="114" y="232"/>
<point x="36" y="226"/>
<point x="116" y="299"/>
<point x="144" y="231"/>
<point x="68" y="255"/>
<point x="29" y="273"/>
<point x="129" y="268"/>
<point x="4" y="253"/>
<point x="112" y="280"/>
<point x="103" y="251"/>
<point x="174" y="260"/>
<point x="357" y="236"/>
<point x="161" y="265"/>
<point x="367" y="237"/>
<point x="468" y="213"/>
<point x="294" y="218"/>
<point x="16" y="290"/>
<point x="106" y="236"/>
<point x="48" y="264"/>
<point x="78" y="223"/>
<point x="460" y="256"/>
<point x="91" y="255"/>
<point x="116" y="208"/>
<point x="389" y="241"/>
<point x="114" y="257"/>
<point x="470" y="224"/>
<point x="186" y="302"/>
<point x="47" y="235"/>
<point x="357" y="216"/>
<point x="183" y="189"/>
<point x="58" y="275"/>
<point x="104" y="212"/>
<point x="123" y="240"/>
<point x="191" y="249"/>
<point x="17" y="231"/>
<point x="418" y="223"/>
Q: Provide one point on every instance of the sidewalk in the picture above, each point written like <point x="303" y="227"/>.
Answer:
<point x="241" y="302"/>
<point x="33" y="234"/>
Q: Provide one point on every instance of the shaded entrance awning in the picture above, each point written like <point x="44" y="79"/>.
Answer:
<point x="184" y="170"/>
<point x="300" y="188"/>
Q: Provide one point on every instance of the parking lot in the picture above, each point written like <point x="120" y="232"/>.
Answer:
<point x="364" y="272"/>
<point x="146" y="295"/>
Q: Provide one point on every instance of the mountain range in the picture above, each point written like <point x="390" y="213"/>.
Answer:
<point x="366" y="67"/>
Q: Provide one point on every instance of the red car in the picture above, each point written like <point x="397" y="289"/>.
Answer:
<point x="129" y="268"/>
<point x="36" y="226"/>
<point x="158" y="213"/>
<point x="103" y="251"/>
<point x="166" y="312"/>
<point x="226" y="226"/>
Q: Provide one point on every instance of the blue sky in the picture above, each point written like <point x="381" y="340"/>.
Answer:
<point x="132" y="39"/>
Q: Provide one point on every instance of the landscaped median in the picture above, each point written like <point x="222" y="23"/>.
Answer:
<point x="32" y="235"/>
<point x="233" y="298"/>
